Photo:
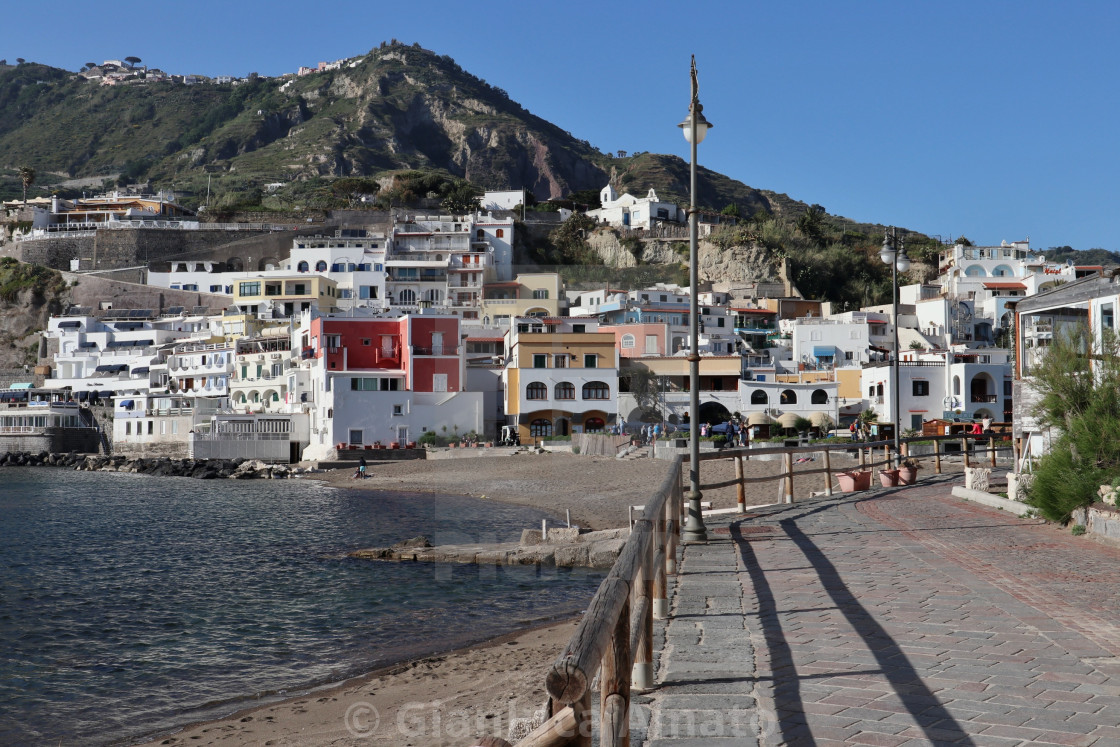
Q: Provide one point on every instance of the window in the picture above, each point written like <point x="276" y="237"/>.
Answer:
<point x="921" y="388"/>
<point x="367" y="341"/>
<point x="480" y="234"/>
<point x="560" y="360"/>
<point x="215" y="289"/>
<point x="758" y="397"/>
<point x="398" y="409"/>
<point x="540" y="428"/>
<point x="594" y="425"/>
<point x="302" y="267"/>
<point x="500" y="233"/>
<point x="249" y="289"/>
<point x="591" y="360"/>
<point x="1107" y="321"/>
<point x="128" y="429"/>
<point x="536" y="390"/>
<point x="719" y="322"/>
<point x="819" y="397"/>
<point x="540" y="293"/>
<point x="596" y="390"/>
<point x="1007" y="389"/>
<point x="299" y="289"/>
<point x="565" y="390"/>
<point x="847" y="355"/>
<point x="788" y="397"/>
<point x="651" y="345"/>
<point x="628" y="341"/>
<point x="540" y="360"/>
<point x="321" y="266"/>
<point x="579" y="329"/>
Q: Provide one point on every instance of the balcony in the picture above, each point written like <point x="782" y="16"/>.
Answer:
<point x="987" y="398"/>
<point x="435" y="350"/>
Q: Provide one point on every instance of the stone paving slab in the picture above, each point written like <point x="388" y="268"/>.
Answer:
<point x="893" y="617"/>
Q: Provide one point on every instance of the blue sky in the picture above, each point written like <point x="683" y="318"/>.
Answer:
<point x="993" y="120"/>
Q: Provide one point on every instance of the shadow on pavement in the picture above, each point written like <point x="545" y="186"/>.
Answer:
<point x="924" y="707"/>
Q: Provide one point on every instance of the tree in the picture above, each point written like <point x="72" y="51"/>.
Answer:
<point x="732" y="210"/>
<point x="26" y="178"/>
<point x="132" y="61"/>
<point x="963" y="241"/>
<point x="1078" y="382"/>
<point x="20" y="60"/>
<point x="462" y="198"/>
<point x="91" y="65"/>
<point x="352" y="188"/>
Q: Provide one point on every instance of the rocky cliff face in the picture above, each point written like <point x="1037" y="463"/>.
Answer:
<point x="736" y="265"/>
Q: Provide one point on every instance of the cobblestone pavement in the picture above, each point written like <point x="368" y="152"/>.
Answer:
<point x="892" y="617"/>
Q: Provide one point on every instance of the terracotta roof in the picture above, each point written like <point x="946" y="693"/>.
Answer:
<point x="738" y="310"/>
<point x="997" y="285"/>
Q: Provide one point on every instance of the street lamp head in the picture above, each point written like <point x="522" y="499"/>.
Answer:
<point x="902" y="262"/>
<point x="702" y="125"/>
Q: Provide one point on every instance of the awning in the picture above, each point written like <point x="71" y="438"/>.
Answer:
<point x="824" y="351"/>
<point x="787" y="419"/>
<point x="759" y="418"/>
<point x="111" y="368"/>
<point x="127" y="404"/>
<point x="140" y="370"/>
<point x="818" y="418"/>
<point x="24" y="385"/>
<point x="71" y="324"/>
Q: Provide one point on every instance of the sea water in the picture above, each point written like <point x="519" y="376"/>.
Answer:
<point x="133" y="604"/>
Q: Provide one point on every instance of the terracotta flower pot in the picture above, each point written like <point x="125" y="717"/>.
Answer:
<point x="907" y="475"/>
<point x="888" y="478"/>
<point x="854" y="480"/>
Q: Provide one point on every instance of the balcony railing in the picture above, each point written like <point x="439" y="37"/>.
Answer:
<point x="435" y="350"/>
<point x="985" y="398"/>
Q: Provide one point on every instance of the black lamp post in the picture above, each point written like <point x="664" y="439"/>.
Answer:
<point x="695" y="127"/>
<point x="894" y="254"/>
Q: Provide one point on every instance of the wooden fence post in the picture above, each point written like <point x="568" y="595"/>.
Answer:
<point x="937" y="456"/>
<point x="641" y="676"/>
<point x="787" y="458"/>
<point x="614" y="684"/>
<point x="740" y="489"/>
<point x="660" y="568"/>
<point x="964" y="451"/>
<point x="992" y="450"/>
<point x="584" y="728"/>
<point x="827" y="471"/>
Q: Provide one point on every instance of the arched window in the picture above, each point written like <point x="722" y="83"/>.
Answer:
<point x="758" y="397"/>
<point x="407" y="297"/>
<point x="540" y="427"/>
<point x="320" y="266"/>
<point x="500" y="233"/>
<point x="302" y="267"/>
<point x="596" y="390"/>
<point x="628" y="341"/>
<point x="481" y="234"/>
<point x="788" y="397"/>
<point x="536" y="390"/>
<point x="435" y="295"/>
<point x="819" y="397"/>
<point x="957" y="385"/>
<point x="594" y="425"/>
<point x="275" y="396"/>
<point x="565" y="390"/>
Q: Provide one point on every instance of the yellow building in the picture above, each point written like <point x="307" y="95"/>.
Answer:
<point x="288" y="294"/>
<point x="561" y="377"/>
<point x="530" y="294"/>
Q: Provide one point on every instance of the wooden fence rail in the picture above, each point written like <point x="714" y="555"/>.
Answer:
<point x="614" y="639"/>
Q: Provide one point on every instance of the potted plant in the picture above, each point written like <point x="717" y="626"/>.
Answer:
<point x="908" y="471"/>
<point x="888" y="478"/>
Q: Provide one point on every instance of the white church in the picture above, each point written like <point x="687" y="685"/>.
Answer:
<point x="629" y="211"/>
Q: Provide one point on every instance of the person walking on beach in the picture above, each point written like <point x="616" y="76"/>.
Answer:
<point x="361" y="471"/>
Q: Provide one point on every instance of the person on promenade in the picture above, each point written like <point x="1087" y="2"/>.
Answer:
<point x="361" y="471"/>
<point x="977" y="428"/>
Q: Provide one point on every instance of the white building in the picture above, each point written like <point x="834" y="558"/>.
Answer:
<point x="628" y="211"/>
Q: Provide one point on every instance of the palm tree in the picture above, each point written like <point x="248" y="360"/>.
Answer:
<point x="26" y="178"/>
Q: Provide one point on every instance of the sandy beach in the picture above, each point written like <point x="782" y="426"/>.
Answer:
<point x="453" y="698"/>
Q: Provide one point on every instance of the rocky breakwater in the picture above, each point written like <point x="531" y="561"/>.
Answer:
<point x="565" y="548"/>
<point x="202" y="469"/>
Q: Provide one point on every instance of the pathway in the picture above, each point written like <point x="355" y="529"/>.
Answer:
<point x="894" y="617"/>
